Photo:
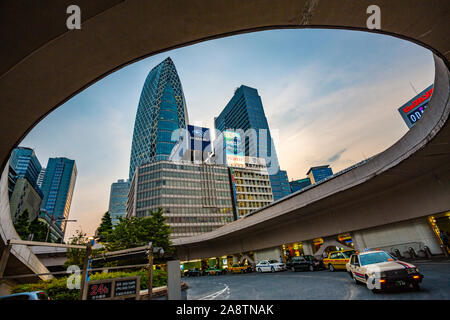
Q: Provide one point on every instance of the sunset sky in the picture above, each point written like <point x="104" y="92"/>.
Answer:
<point x="330" y="97"/>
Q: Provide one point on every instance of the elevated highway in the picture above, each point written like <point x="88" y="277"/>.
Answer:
<point x="44" y="64"/>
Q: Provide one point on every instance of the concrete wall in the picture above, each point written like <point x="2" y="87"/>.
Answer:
<point x="270" y="253"/>
<point x="402" y="235"/>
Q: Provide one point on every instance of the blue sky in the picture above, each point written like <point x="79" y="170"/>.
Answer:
<point x="330" y="97"/>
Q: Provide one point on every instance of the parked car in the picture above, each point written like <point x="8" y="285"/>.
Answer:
<point x="193" y="273"/>
<point x="238" y="268"/>
<point x="337" y="260"/>
<point x="270" y="266"/>
<point x="379" y="270"/>
<point x="34" y="295"/>
<point x="215" y="271"/>
<point x="303" y="263"/>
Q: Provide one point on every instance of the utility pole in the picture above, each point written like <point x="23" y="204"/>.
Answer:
<point x="85" y="266"/>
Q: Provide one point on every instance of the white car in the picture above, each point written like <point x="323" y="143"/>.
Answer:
<point x="270" y="266"/>
<point x="379" y="270"/>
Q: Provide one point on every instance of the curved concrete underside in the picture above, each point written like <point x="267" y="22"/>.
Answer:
<point x="44" y="64"/>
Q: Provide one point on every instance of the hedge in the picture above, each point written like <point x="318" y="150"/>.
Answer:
<point x="57" y="288"/>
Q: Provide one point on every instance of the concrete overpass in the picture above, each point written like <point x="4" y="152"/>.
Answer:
<point x="390" y="193"/>
<point x="44" y="65"/>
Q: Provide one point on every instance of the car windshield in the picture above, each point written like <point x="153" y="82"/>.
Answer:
<point x="347" y="254"/>
<point x="273" y="261"/>
<point x="375" y="257"/>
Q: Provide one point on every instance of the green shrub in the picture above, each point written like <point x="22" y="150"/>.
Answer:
<point x="57" y="288"/>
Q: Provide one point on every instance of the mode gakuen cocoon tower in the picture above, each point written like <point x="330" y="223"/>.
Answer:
<point x="161" y="112"/>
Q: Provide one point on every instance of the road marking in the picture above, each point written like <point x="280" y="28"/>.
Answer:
<point x="214" y="295"/>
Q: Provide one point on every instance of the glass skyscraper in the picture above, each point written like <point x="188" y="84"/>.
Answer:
<point x="26" y="164"/>
<point x="58" y="185"/>
<point x="316" y="174"/>
<point x="118" y="200"/>
<point x="161" y="111"/>
<point x="299" y="184"/>
<point x="245" y="112"/>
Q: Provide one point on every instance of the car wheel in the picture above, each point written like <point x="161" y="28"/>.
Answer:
<point x="259" y="269"/>
<point x="272" y="269"/>
<point x="330" y="267"/>
<point x="293" y="269"/>
<point x="311" y="268"/>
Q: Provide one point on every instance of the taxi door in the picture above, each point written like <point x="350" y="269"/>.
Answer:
<point x="340" y="261"/>
<point x="355" y="268"/>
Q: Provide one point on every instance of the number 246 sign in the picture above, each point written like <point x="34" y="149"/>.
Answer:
<point x="99" y="290"/>
<point x="116" y="288"/>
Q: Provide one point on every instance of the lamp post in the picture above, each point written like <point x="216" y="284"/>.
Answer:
<point x="52" y="221"/>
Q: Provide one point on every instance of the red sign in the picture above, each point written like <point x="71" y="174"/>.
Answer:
<point x="418" y="101"/>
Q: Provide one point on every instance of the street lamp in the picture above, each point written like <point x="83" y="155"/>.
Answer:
<point x="52" y="221"/>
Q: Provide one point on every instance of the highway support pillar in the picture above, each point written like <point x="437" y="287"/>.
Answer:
<point x="173" y="280"/>
<point x="358" y="241"/>
<point x="307" y="248"/>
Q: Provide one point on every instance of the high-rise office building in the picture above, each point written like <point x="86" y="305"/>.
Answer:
<point x="297" y="185"/>
<point x="318" y="173"/>
<point x="25" y="193"/>
<point x="12" y="179"/>
<point x="196" y="198"/>
<point x="25" y="197"/>
<point x="161" y="111"/>
<point x="41" y="177"/>
<point x="251" y="186"/>
<point x="193" y="145"/>
<point x="118" y="200"/>
<point x="245" y="112"/>
<point x="26" y="164"/>
<point x="58" y="186"/>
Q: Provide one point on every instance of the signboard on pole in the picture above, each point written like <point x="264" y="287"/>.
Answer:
<point x="113" y="289"/>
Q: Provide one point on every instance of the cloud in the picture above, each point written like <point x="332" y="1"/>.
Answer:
<point x="336" y="156"/>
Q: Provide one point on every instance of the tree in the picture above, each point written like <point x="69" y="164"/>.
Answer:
<point x="38" y="229"/>
<point x="137" y="231"/>
<point x="105" y="228"/>
<point x="76" y="256"/>
<point x="22" y="225"/>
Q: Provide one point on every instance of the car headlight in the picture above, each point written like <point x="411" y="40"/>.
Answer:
<point x="412" y="270"/>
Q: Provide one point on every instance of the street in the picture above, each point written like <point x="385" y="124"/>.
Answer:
<point x="288" y="285"/>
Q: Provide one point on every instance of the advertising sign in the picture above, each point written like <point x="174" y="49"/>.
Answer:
<point x="233" y="149"/>
<point x="412" y="111"/>
<point x="113" y="289"/>
<point x="100" y="290"/>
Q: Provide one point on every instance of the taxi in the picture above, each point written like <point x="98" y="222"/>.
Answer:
<point x="238" y="268"/>
<point x="337" y="260"/>
<point x="379" y="270"/>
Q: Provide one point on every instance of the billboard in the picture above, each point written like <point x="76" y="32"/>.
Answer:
<point x="233" y="149"/>
<point x="412" y="111"/>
